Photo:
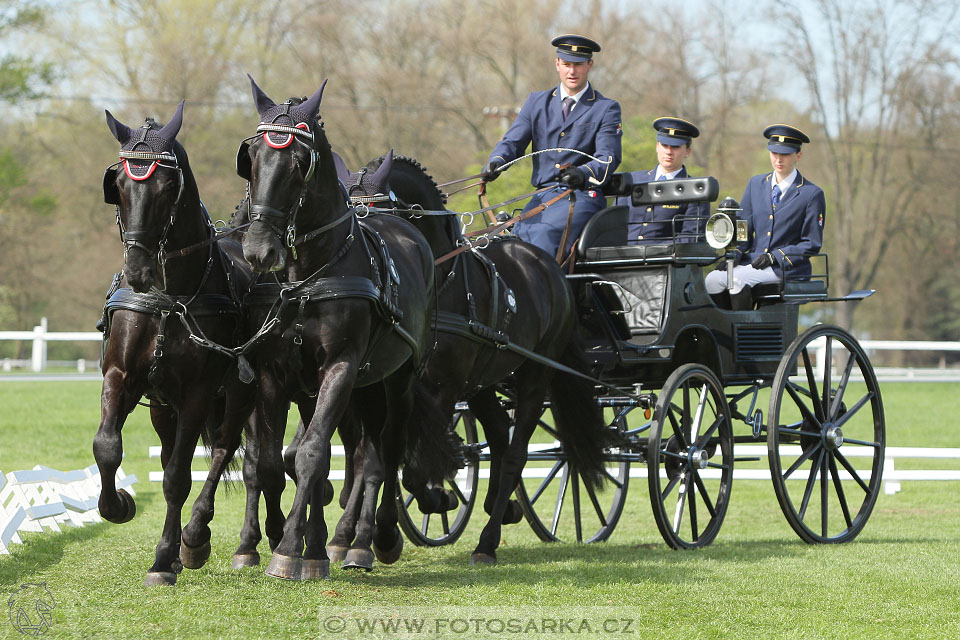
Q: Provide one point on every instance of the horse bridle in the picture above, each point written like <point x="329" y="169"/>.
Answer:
<point x="131" y="238"/>
<point x="272" y="217"/>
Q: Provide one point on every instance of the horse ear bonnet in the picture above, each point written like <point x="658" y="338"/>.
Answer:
<point x="150" y="138"/>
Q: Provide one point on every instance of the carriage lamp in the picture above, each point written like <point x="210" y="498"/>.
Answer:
<point x="724" y="226"/>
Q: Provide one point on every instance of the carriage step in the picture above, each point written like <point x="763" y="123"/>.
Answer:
<point x="748" y="459"/>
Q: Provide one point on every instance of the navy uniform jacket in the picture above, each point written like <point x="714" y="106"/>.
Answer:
<point x="655" y="224"/>
<point x="790" y="232"/>
<point x="594" y="127"/>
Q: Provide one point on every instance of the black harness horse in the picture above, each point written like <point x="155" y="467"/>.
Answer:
<point x="501" y="310"/>
<point x="167" y="314"/>
<point x="346" y="318"/>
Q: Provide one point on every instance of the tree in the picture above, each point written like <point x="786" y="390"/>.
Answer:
<point x="861" y="65"/>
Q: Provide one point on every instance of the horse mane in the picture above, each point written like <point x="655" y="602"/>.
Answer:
<point x="415" y="164"/>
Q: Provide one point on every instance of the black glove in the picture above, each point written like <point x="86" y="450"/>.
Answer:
<point x="762" y="261"/>
<point x="573" y="178"/>
<point x="489" y="171"/>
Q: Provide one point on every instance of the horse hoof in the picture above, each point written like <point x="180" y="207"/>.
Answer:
<point x="337" y="553"/>
<point x="313" y="569"/>
<point x="160" y="579"/>
<point x="194" y="557"/>
<point x="483" y="558"/>
<point x="359" y="559"/>
<point x="452" y="502"/>
<point x="242" y="560"/>
<point x="284" y="567"/>
<point x="389" y="556"/>
<point x="128" y="508"/>
<point x="513" y="514"/>
<point x="328" y="492"/>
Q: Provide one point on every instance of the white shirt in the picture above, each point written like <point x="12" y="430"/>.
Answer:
<point x="789" y="180"/>
<point x="576" y="97"/>
<point x="669" y="176"/>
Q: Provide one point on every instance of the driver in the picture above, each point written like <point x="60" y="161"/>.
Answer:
<point x="785" y="214"/>
<point x="573" y="115"/>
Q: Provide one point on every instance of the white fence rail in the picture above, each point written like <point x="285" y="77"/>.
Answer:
<point x="40" y="336"/>
<point x="892" y="476"/>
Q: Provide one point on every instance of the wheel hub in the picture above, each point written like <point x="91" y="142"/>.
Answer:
<point x="832" y="437"/>
<point x="698" y="458"/>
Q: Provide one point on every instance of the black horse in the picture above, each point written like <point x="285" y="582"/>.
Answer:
<point x="346" y="319"/>
<point x="168" y="313"/>
<point x="501" y="310"/>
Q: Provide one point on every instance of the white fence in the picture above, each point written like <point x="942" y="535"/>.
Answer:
<point x="892" y="476"/>
<point x="40" y="336"/>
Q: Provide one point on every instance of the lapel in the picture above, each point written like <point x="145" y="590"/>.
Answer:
<point x="790" y="195"/>
<point x="587" y="100"/>
<point x="766" y="188"/>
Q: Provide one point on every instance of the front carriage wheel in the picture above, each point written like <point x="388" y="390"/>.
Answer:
<point x="690" y="458"/>
<point x="438" y="529"/>
<point x="826" y="424"/>
<point x="555" y="501"/>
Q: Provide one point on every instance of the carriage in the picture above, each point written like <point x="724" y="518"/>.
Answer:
<point x="697" y="394"/>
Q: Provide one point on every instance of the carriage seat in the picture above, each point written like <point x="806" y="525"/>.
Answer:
<point x="604" y="238"/>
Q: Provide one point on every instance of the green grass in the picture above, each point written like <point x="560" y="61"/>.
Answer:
<point x="899" y="579"/>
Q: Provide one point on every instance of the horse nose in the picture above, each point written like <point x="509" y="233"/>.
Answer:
<point x="264" y="259"/>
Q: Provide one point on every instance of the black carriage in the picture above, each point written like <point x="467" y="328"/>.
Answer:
<point x="694" y="391"/>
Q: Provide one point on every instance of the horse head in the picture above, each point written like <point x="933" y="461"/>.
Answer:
<point x="284" y="164"/>
<point x="370" y="185"/>
<point x="146" y="186"/>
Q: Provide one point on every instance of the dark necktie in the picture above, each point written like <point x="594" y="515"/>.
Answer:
<point x="663" y="176"/>
<point x="775" y="199"/>
<point x="567" y="105"/>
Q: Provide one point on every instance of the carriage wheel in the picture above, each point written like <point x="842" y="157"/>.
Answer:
<point x="438" y="529"/>
<point x="555" y="501"/>
<point x="826" y="438"/>
<point x="690" y="458"/>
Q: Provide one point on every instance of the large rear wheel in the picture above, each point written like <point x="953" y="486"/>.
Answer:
<point x="826" y="436"/>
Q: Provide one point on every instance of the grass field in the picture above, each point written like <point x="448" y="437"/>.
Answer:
<point x="899" y="579"/>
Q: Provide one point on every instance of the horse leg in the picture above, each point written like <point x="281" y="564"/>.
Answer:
<point x="270" y="419"/>
<point x="360" y="554"/>
<point x="313" y="466"/>
<point x="531" y="392"/>
<point x="346" y="529"/>
<point x="195" y="540"/>
<point x="246" y="554"/>
<point x="115" y="405"/>
<point x="176" y="488"/>
<point x="351" y="434"/>
<point x="496" y="427"/>
<point x="398" y="387"/>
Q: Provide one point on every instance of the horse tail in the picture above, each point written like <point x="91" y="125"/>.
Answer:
<point x="578" y="418"/>
<point x="210" y="434"/>
<point x="433" y="451"/>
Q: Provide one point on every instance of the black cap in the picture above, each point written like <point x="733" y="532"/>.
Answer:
<point x="574" y="48"/>
<point x="784" y="138"/>
<point x="675" y="132"/>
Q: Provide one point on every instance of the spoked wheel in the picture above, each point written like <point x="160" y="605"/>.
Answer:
<point x="690" y="457"/>
<point x="826" y="437"/>
<point x="554" y="499"/>
<point x="438" y="529"/>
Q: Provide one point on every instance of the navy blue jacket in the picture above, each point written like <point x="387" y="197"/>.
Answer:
<point x="655" y="224"/>
<point x="594" y="127"/>
<point x="790" y="232"/>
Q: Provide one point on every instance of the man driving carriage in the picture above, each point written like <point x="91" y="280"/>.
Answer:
<point x="652" y="224"/>
<point x="573" y="115"/>
<point x="785" y="214"/>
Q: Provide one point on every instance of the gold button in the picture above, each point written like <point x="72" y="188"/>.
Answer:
<point x="649" y="209"/>
<point x="771" y="217"/>
<point x="639" y="237"/>
<point x="765" y="250"/>
<point x="563" y="133"/>
<point x="556" y="166"/>
<point x="645" y="224"/>
<point x="768" y="233"/>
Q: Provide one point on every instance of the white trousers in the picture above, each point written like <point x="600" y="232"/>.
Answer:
<point x="743" y="275"/>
